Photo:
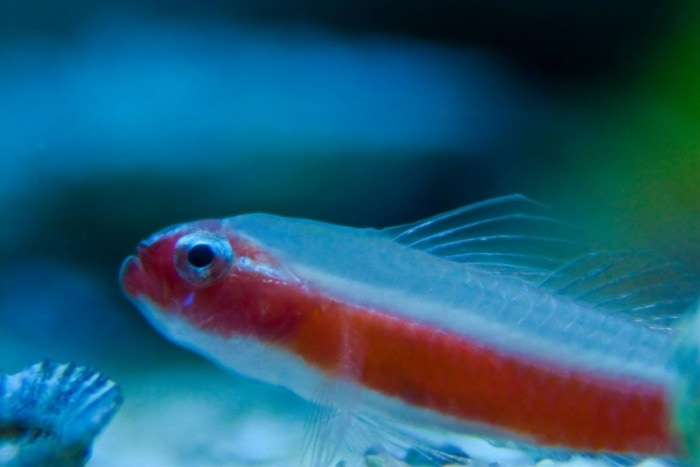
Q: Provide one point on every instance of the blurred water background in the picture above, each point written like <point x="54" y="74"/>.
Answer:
<point x="120" y="118"/>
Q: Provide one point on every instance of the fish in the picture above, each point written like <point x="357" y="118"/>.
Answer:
<point x="51" y="412"/>
<point x="493" y="319"/>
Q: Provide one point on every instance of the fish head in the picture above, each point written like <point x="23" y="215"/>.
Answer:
<point x="208" y="276"/>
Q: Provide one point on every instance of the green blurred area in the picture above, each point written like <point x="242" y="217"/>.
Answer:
<point x="630" y="164"/>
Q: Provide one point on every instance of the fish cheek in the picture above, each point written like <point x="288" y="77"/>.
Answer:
<point x="209" y="309"/>
<point x="244" y="305"/>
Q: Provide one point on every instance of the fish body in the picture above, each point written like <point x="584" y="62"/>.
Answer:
<point x="428" y="330"/>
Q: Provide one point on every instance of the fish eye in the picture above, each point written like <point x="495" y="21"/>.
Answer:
<point x="202" y="257"/>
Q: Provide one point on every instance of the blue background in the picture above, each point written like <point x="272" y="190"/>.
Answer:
<point x="119" y="118"/>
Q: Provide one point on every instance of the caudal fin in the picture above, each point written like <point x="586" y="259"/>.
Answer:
<point x="686" y="393"/>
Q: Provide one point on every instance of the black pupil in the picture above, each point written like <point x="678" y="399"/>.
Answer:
<point x="200" y="255"/>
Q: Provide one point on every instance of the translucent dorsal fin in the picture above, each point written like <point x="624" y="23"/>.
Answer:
<point x="516" y="236"/>
<point x="636" y="284"/>
<point x="510" y="234"/>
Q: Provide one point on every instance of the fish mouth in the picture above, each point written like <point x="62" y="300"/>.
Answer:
<point x="132" y="277"/>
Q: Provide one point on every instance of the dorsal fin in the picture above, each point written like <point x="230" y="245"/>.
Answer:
<point x="516" y="236"/>
<point x="510" y="234"/>
<point x="631" y="283"/>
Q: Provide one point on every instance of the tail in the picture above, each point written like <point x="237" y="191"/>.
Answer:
<point x="686" y="393"/>
<point x="50" y="413"/>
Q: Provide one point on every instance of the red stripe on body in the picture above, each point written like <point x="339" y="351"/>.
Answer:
<point x="443" y="371"/>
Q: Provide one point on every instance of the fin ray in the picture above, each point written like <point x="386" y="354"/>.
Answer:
<point x="512" y="224"/>
<point x="634" y="284"/>
<point x="513" y="235"/>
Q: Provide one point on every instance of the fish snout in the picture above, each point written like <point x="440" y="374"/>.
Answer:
<point x="131" y="276"/>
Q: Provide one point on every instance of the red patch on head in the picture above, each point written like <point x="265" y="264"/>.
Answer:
<point x="245" y="300"/>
